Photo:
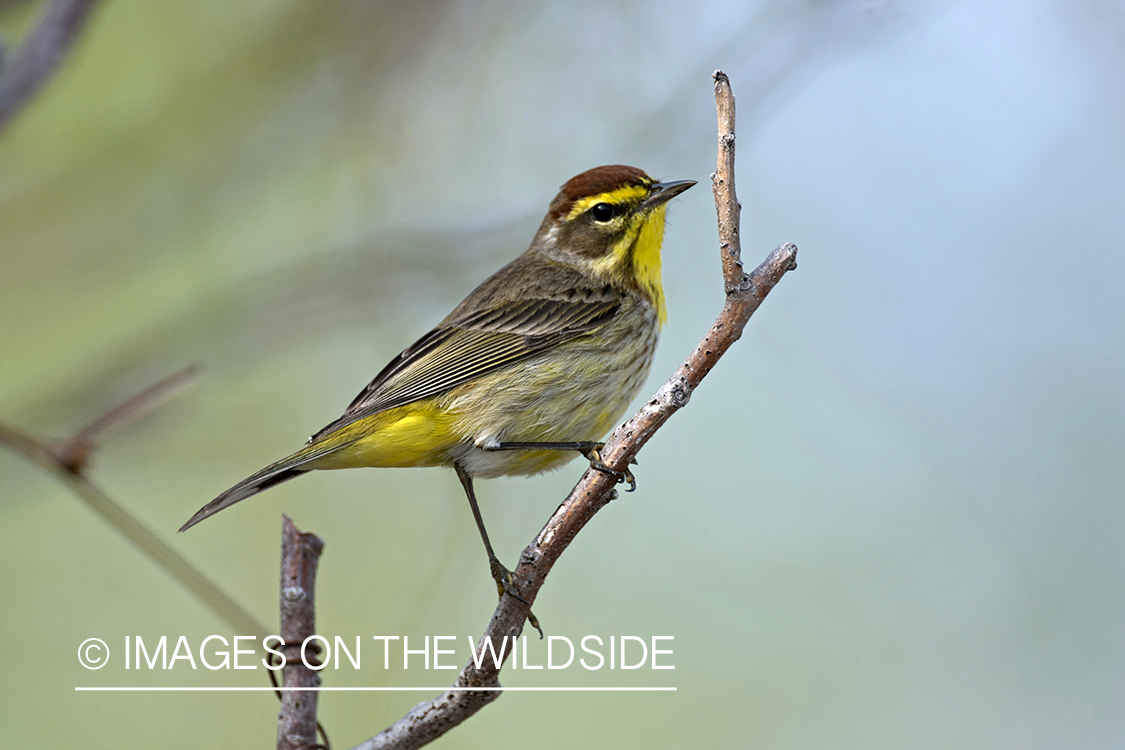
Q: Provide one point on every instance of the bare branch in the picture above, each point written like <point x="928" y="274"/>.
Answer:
<point x="42" y="53"/>
<point x="68" y="462"/>
<point x="75" y="452"/>
<point x="744" y="293"/>
<point x="300" y="553"/>
<point x="727" y="207"/>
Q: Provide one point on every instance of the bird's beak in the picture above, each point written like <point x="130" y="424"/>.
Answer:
<point x="662" y="192"/>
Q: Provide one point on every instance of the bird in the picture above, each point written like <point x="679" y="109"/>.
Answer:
<point x="530" y="370"/>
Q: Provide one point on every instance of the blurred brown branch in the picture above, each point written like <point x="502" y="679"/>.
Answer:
<point x="68" y="460"/>
<point x="41" y="54"/>
<point x="476" y="687"/>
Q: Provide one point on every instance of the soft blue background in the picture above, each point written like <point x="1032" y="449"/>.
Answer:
<point x="890" y="518"/>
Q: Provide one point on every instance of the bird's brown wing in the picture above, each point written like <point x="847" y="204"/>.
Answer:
<point x="477" y="339"/>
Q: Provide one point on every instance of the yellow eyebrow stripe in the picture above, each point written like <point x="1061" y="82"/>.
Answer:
<point x="620" y="195"/>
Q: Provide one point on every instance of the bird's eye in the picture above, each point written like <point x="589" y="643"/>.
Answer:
<point x="602" y="212"/>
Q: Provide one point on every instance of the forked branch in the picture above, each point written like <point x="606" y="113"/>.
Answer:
<point x="68" y="460"/>
<point x="475" y="687"/>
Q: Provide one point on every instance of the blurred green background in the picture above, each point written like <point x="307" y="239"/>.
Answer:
<point x="890" y="518"/>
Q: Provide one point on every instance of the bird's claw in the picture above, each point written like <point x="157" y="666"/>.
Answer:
<point x="506" y="584"/>
<point x="594" y="456"/>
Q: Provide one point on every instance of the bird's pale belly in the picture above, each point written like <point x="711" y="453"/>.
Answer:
<point x="577" y="399"/>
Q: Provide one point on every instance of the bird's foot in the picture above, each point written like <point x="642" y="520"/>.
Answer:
<point x="594" y="456"/>
<point x="506" y="584"/>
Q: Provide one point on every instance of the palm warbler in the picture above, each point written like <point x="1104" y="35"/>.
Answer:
<point x="534" y="366"/>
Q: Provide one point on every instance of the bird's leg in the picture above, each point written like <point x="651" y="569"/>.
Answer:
<point x="505" y="581"/>
<point x="588" y="448"/>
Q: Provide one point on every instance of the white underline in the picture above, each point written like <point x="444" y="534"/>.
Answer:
<point x="368" y="689"/>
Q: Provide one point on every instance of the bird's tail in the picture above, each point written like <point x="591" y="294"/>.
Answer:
<point x="275" y="473"/>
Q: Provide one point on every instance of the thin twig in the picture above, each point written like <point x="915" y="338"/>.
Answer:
<point x="41" y="54"/>
<point x="744" y="293"/>
<point x="68" y="461"/>
<point x="75" y="452"/>
<point x="300" y="553"/>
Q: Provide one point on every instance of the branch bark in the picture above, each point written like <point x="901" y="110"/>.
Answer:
<point x="41" y="54"/>
<point x="475" y="687"/>
<point x="300" y="554"/>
